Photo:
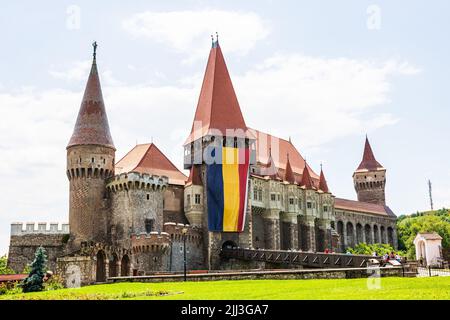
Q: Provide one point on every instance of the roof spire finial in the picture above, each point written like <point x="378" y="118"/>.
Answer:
<point x="217" y="37"/>
<point x="94" y="44"/>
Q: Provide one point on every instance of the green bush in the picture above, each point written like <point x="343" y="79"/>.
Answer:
<point x="3" y="266"/>
<point x="54" y="283"/>
<point x="368" y="249"/>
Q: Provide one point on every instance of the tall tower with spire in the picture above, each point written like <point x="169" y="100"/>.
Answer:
<point x="90" y="162"/>
<point x="218" y="122"/>
<point x="370" y="178"/>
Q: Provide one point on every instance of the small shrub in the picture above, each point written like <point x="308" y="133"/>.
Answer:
<point x="54" y="283"/>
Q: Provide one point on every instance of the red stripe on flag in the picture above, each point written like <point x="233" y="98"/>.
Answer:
<point x="244" y="159"/>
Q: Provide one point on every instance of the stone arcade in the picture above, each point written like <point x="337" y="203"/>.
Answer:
<point x="130" y="217"/>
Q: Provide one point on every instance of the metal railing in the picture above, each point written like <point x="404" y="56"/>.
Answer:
<point x="308" y="259"/>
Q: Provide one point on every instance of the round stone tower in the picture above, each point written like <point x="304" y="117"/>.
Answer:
<point x="370" y="178"/>
<point x="90" y="162"/>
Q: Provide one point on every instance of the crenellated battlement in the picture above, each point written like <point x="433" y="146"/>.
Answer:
<point x="136" y="180"/>
<point x="147" y="242"/>
<point x="176" y="232"/>
<point x="20" y="228"/>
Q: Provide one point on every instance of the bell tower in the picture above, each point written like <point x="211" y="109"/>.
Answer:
<point x="90" y="162"/>
<point x="369" y="178"/>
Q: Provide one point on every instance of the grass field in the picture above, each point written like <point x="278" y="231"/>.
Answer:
<point x="390" y="288"/>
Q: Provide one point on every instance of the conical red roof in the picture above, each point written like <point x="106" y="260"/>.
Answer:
<point x="271" y="169"/>
<point x="289" y="174"/>
<point x="323" y="182"/>
<point x="368" y="161"/>
<point x="92" y="123"/>
<point x="306" y="179"/>
<point x="218" y="107"/>
<point x="147" y="158"/>
<point x="195" y="176"/>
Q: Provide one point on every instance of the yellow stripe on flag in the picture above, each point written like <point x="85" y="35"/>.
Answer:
<point x="230" y="171"/>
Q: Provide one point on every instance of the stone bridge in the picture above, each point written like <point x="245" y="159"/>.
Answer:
<point x="306" y="259"/>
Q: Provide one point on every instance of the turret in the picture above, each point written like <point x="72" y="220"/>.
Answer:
<point x="90" y="162"/>
<point x="370" y="178"/>
<point x="193" y="197"/>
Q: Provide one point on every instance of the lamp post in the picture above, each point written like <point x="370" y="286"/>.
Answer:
<point x="184" y="231"/>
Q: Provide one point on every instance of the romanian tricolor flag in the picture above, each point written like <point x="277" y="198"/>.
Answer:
<point x="227" y="188"/>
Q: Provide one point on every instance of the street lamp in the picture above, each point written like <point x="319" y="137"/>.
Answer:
<point x="184" y="231"/>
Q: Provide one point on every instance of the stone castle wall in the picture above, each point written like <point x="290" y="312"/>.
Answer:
<point x="25" y="241"/>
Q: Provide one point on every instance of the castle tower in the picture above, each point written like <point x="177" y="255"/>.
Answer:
<point x="218" y="122"/>
<point x="289" y="221"/>
<point x="90" y="162"/>
<point x="370" y="178"/>
<point x="324" y="238"/>
<point x="307" y="229"/>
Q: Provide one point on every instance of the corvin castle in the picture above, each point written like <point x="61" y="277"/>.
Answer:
<point x="130" y="217"/>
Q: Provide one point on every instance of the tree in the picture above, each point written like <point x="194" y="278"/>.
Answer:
<point x="408" y="227"/>
<point x="368" y="249"/>
<point x="35" y="280"/>
<point x="3" y="266"/>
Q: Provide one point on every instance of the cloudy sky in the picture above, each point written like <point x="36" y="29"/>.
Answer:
<point x="322" y="73"/>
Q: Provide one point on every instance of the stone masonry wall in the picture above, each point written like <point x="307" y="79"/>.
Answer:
<point x="22" y="249"/>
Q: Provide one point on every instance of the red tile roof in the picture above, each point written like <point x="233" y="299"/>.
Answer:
<point x="363" y="207"/>
<point x="218" y="107"/>
<point x="147" y="158"/>
<point x="323" y="182"/>
<point x="306" y="180"/>
<point x="279" y="149"/>
<point x="195" y="177"/>
<point x="12" y="277"/>
<point x="368" y="161"/>
<point x="92" y="122"/>
<point x="289" y="174"/>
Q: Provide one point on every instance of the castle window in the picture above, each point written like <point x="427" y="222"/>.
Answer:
<point x="149" y="225"/>
<point x="255" y="193"/>
<point x="309" y="205"/>
<point x="93" y="160"/>
<point x="278" y="196"/>
<point x="260" y="195"/>
<point x="197" y="198"/>
<point x="188" y="199"/>
<point x="272" y="197"/>
<point x="148" y="196"/>
<point x="325" y="208"/>
<point x="291" y="201"/>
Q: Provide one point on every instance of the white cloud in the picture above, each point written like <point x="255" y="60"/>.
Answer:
<point x="316" y="100"/>
<point x="188" y="31"/>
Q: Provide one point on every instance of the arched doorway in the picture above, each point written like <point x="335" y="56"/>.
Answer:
<point x="229" y="245"/>
<point x="376" y="238"/>
<point x="350" y="235"/>
<point x="359" y="233"/>
<point x="368" y="233"/>
<point x="340" y="231"/>
<point x="422" y="253"/>
<point x="383" y="234"/>
<point x="113" y="266"/>
<point x="390" y="233"/>
<point x="101" y="267"/>
<point x="125" y="266"/>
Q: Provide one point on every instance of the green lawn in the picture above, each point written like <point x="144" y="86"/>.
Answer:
<point x="390" y="288"/>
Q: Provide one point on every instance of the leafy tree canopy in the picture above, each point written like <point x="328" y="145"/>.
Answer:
<point x="431" y="221"/>
<point x="3" y="268"/>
